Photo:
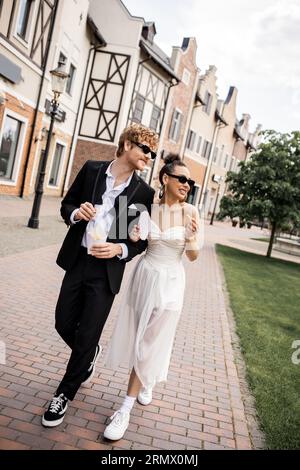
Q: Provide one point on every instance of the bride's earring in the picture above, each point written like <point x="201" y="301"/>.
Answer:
<point x="161" y="191"/>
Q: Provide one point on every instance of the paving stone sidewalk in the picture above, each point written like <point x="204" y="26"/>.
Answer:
<point x="200" y="407"/>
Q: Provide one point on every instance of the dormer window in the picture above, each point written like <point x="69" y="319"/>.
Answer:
<point x="208" y="101"/>
<point x="149" y="31"/>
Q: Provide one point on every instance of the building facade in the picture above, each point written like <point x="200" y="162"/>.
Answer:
<point x="180" y="103"/>
<point x="128" y="81"/>
<point x="201" y="130"/>
<point x="26" y="30"/>
<point x="117" y="75"/>
<point x="34" y="36"/>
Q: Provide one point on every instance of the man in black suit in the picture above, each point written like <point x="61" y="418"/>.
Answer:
<point x="107" y="195"/>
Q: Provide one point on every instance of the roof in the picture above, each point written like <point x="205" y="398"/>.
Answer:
<point x="158" y="56"/>
<point x="249" y="144"/>
<point x="220" y="117"/>
<point x="198" y="97"/>
<point x="237" y="131"/>
<point x="96" y="31"/>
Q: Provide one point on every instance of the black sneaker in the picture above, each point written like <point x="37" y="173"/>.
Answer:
<point x="56" y="411"/>
<point x="91" y="370"/>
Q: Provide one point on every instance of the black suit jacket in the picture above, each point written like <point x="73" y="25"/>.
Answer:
<point x="89" y="186"/>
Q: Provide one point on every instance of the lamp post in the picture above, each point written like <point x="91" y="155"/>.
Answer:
<point x="58" y="81"/>
<point x="217" y="180"/>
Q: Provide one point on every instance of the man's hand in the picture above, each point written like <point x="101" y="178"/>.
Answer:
<point x="86" y="212"/>
<point x="106" y="250"/>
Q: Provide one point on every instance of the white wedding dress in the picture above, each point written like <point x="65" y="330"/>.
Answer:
<point x="147" y="319"/>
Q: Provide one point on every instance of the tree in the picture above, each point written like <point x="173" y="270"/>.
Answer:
<point x="228" y="208"/>
<point x="268" y="185"/>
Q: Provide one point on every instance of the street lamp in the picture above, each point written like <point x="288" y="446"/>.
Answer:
<point x="58" y="82"/>
<point x="218" y="180"/>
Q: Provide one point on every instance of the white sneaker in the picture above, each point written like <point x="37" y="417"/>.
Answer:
<point x="145" y="396"/>
<point x="119" y="423"/>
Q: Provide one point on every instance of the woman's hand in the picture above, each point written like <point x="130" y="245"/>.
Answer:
<point x="135" y="234"/>
<point x="191" y="228"/>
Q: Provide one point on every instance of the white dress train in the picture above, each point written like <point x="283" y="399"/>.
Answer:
<point x="147" y="319"/>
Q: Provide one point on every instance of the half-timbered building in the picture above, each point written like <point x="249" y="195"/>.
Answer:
<point x="26" y="30"/>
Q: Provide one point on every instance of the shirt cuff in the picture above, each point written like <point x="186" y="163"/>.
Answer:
<point x="72" y="220"/>
<point x="124" y="251"/>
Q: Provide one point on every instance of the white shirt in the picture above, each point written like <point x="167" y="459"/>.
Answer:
<point x="103" y="217"/>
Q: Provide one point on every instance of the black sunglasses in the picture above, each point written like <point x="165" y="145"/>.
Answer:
<point x="145" y="149"/>
<point x="182" y="179"/>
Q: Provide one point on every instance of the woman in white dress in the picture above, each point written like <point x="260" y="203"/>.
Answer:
<point x="145" y="329"/>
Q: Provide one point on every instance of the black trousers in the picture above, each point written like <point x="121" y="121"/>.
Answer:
<point x="83" y="306"/>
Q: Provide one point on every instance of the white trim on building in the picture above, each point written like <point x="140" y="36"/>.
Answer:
<point x="20" y="145"/>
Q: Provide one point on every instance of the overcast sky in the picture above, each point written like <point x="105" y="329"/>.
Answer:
<point x="255" y="45"/>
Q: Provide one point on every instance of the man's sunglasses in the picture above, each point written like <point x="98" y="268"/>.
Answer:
<point x="145" y="149"/>
<point x="182" y="179"/>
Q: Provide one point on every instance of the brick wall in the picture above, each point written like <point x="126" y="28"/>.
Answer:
<point x="197" y="170"/>
<point x="26" y="111"/>
<point x="181" y="97"/>
<point x="240" y="150"/>
<point x="86" y="150"/>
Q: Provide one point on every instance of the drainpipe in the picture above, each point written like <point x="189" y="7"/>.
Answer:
<point x="38" y="99"/>
<point x="157" y="159"/>
<point x="232" y="153"/>
<point x="210" y="157"/>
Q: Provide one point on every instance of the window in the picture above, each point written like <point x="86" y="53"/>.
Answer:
<point x="70" y="80"/>
<point x="9" y="146"/>
<point x="208" y="101"/>
<point x="139" y="108"/>
<point x="199" y="145"/>
<point x="231" y="168"/>
<point x="53" y="180"/>
<point x="215" y="157"/>
<point x="23" y="20"/>
<point x="186" y="77"/>
<point x="190" y="141"/>
<point x="221" y="154"/>
<point x="226" y="160"/>
<point x="62" y="58"/>
<point x="155" y="118"/>
<point x="175" y="125"/>
<point x="206" y="149"/>
<point x="193" y="195"/>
